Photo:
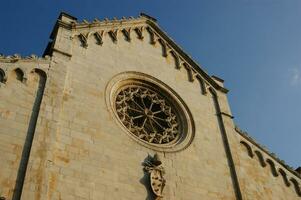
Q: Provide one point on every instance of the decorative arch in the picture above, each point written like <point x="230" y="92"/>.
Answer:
<point x="284" y="176"/>
<point x="189" y="72"/>
<point x="40" y="72"/>
<point x="176" y="59"/>
<point x="260" y="158"/>
<point x="166" y="46"/>
<point x="18" y="74"/>
<point x="248" y="147"/>
<point x="202" y="84"/>
<point x="272" y="166"/>
<point x="163" y="46"/>
<point x="296" y="185"/>
<point x="2" y="76"/>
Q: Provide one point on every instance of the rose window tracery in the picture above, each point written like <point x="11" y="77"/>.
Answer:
<point x="147" y="115"/>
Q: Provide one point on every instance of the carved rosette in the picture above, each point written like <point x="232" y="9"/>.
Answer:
<point x="150" y="112"/>
<point x="147" y="115"/>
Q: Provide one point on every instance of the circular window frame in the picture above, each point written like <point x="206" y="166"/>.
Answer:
<point x="126" y="79"/>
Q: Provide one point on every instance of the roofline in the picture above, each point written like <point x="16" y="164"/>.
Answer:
<point x="72" y="25"/>
<point x="188" y="58"/>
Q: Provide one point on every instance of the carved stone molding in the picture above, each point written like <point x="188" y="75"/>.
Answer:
<point x="139" y="31"/>
<point x="99" y="37"/>
<point x="114" y="34"/>
<point x="84" y="39"/>
<point x="100" y="28"/>
<point x="127" y="33"/>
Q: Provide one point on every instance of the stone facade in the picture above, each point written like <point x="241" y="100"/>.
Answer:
<point x="61" y="139"/>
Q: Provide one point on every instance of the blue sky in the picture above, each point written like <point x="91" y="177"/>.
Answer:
<point x="254" y="45"/>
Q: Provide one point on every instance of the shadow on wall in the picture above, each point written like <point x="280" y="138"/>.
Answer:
<point x="30" y="132"/>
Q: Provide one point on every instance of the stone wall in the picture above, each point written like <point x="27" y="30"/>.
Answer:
<point x="79" y="150"/>
<point x="20" y="91"/>
<point x="95" y="159"/>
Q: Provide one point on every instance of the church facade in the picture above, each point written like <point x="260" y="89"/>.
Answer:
<point x="115" y="109"/>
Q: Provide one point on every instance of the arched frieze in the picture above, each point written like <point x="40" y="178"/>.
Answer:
<point x="248" y="148"/>
<point x="167" y="50"/>
<point x="272" y="166"/>
<point x="296" y="186"/>
<point x="260" y="158"/>
<point x="139" y="31"/>
<point x="3" y="76"/>
<point x="202" y="84"/>
<point x="99" y="37"/>
<point x="83" y="37"/>
<point x="18" y="74"/>
<point x="127" y="33"/>
<point x="284" y="177"/>
<point x="176" y="59"/>
<point x="114" y="35"/>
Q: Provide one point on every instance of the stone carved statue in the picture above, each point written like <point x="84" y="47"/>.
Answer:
<point x="153" y="166"/>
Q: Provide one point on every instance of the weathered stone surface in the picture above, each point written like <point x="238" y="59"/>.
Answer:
<point x="79" y="149"/>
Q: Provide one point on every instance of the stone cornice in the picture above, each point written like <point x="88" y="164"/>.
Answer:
<point x="84" y="29"/>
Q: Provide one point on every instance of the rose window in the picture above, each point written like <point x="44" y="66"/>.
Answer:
<point x="147" y="115"/>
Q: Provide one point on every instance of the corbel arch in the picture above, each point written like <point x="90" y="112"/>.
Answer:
<point x="18" y="74"/>
<point x="296" y="186"/>
<point x="163" y="47"/>
<point x="176" y="58"/>
<point x="2" y="76"/>
<point x="248" y="148"/>
<point x="202" y="84"/>
<point x="40" y="72"/>
<point x="260" y="158"/>
<point x="284" y="176"/>
<point x="272" y="166"/>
